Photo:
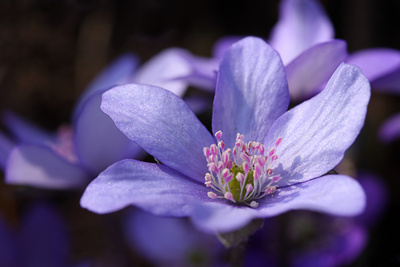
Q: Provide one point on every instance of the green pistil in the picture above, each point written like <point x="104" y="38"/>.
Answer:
<point x="234" y="184"/>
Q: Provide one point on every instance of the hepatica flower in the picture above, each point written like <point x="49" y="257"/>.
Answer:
<point x="70" y="158"/>
<point x="304" y="38"/>
<point x="262" y="160"/>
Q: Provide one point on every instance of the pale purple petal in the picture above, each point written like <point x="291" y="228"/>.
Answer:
<point x="25" y="131"/>
<point x="162" y="124"/>
<point x="251" y="91"/>
<point x="316" y="133"/>
<point x="98" y="142"/>
<point x="221" y="216"/>
<point x="390" y="129"/>
<point x="375" y="63"/>
<point x="40" y="166"/>
<point x="203" y="72"/>
<point x="302" y="24"/>
<point x="310" y="70"/>
<point x="152" y="187"/>
<point x="6" y="145"/>
<point x="333" y="194"/>
<point x="163" y="70"/>
<point x="120" y="71"/>
<point x="43" y="237"/>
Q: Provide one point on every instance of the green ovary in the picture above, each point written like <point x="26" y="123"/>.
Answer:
<point x="234" y="184"/>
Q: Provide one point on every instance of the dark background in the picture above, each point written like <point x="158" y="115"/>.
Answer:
<point x="51" y="49"/>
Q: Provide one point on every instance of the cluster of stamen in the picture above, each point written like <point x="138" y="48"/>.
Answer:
<point x="241" y="174"/>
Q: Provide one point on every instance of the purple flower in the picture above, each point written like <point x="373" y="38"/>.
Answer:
<point x="304" y="38"/>
<point x="278" y="154"/>
<point x="70" y="158"/>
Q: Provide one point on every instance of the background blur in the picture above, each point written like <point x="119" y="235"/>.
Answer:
<point x="51" y="49"/>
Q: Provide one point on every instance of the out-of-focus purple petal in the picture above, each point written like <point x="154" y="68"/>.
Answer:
<point x="163" y="70"/>
<point x="198" y="103"/>
<point x="333" y="194"/>
<point x="316" y="133"/>
<point x="389" y="83"/>
<point x="381" y="66"/>
<point x="160" y="239"/>
<point x="40" y="166"/>
<point x="43" y="238"/>
<point x="162" y="124"/>
<point x="308" y="72"/>
<point x="302" y="24"/>
<point x="98" y="142"/>
<point x="8" y="246"/>
<point x="222" y="44"/>
<point x="376" y="62"/>
<point x="203" y="72"/>
<point x="339" y="250"/>
<point x="377" y="197"/>
<point x="390" y="129"/>
<point x="152" y="187"/>
<point x="251" y="91"/>
<point x="25" y="131"/>
<point x="120" y="71"/>
<point x="6" y="145"/>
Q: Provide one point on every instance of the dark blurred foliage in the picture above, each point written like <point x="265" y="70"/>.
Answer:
<point x="51" y="49"/>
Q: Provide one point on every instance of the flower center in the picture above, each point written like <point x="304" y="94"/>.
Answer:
<point x="241" y="174"/>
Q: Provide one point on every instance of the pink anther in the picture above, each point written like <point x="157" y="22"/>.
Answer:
<point x="218" y="135"/>
<point x="229" y="196"/>
<point x="249" y="188"/>
<point x="278" y="141"/>
<point x="212" y="195"/>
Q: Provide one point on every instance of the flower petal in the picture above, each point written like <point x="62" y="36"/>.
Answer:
<point x="41" y="167"/>
<point x="163" y="70"/>
<point x="223" y="44"/>
<point x="375" y="63"/>
<point x="311" y="70"/>
<point x="9" y="253"/>
<point x="316" y="133"/>
<point x="333" y="194"/>
<point x="152" y="187"/>
<point x="162" y="124"/>
<point x="43" y="237"/>
<point x="390" y="130"/>
<point x="338" y="195"/>
<point x="120" y="71"/>
<point x="152" y="236"/>
<point x="389" y="83"/>
<point x="302" y="24"/>
<point x="221" y="217"/>
<point x="203" y="72"/>
<point x="6" y="145"/>
<point x="98" y="142"/>
<point x="251" y="91"/>
<point x="25" y="131"/>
